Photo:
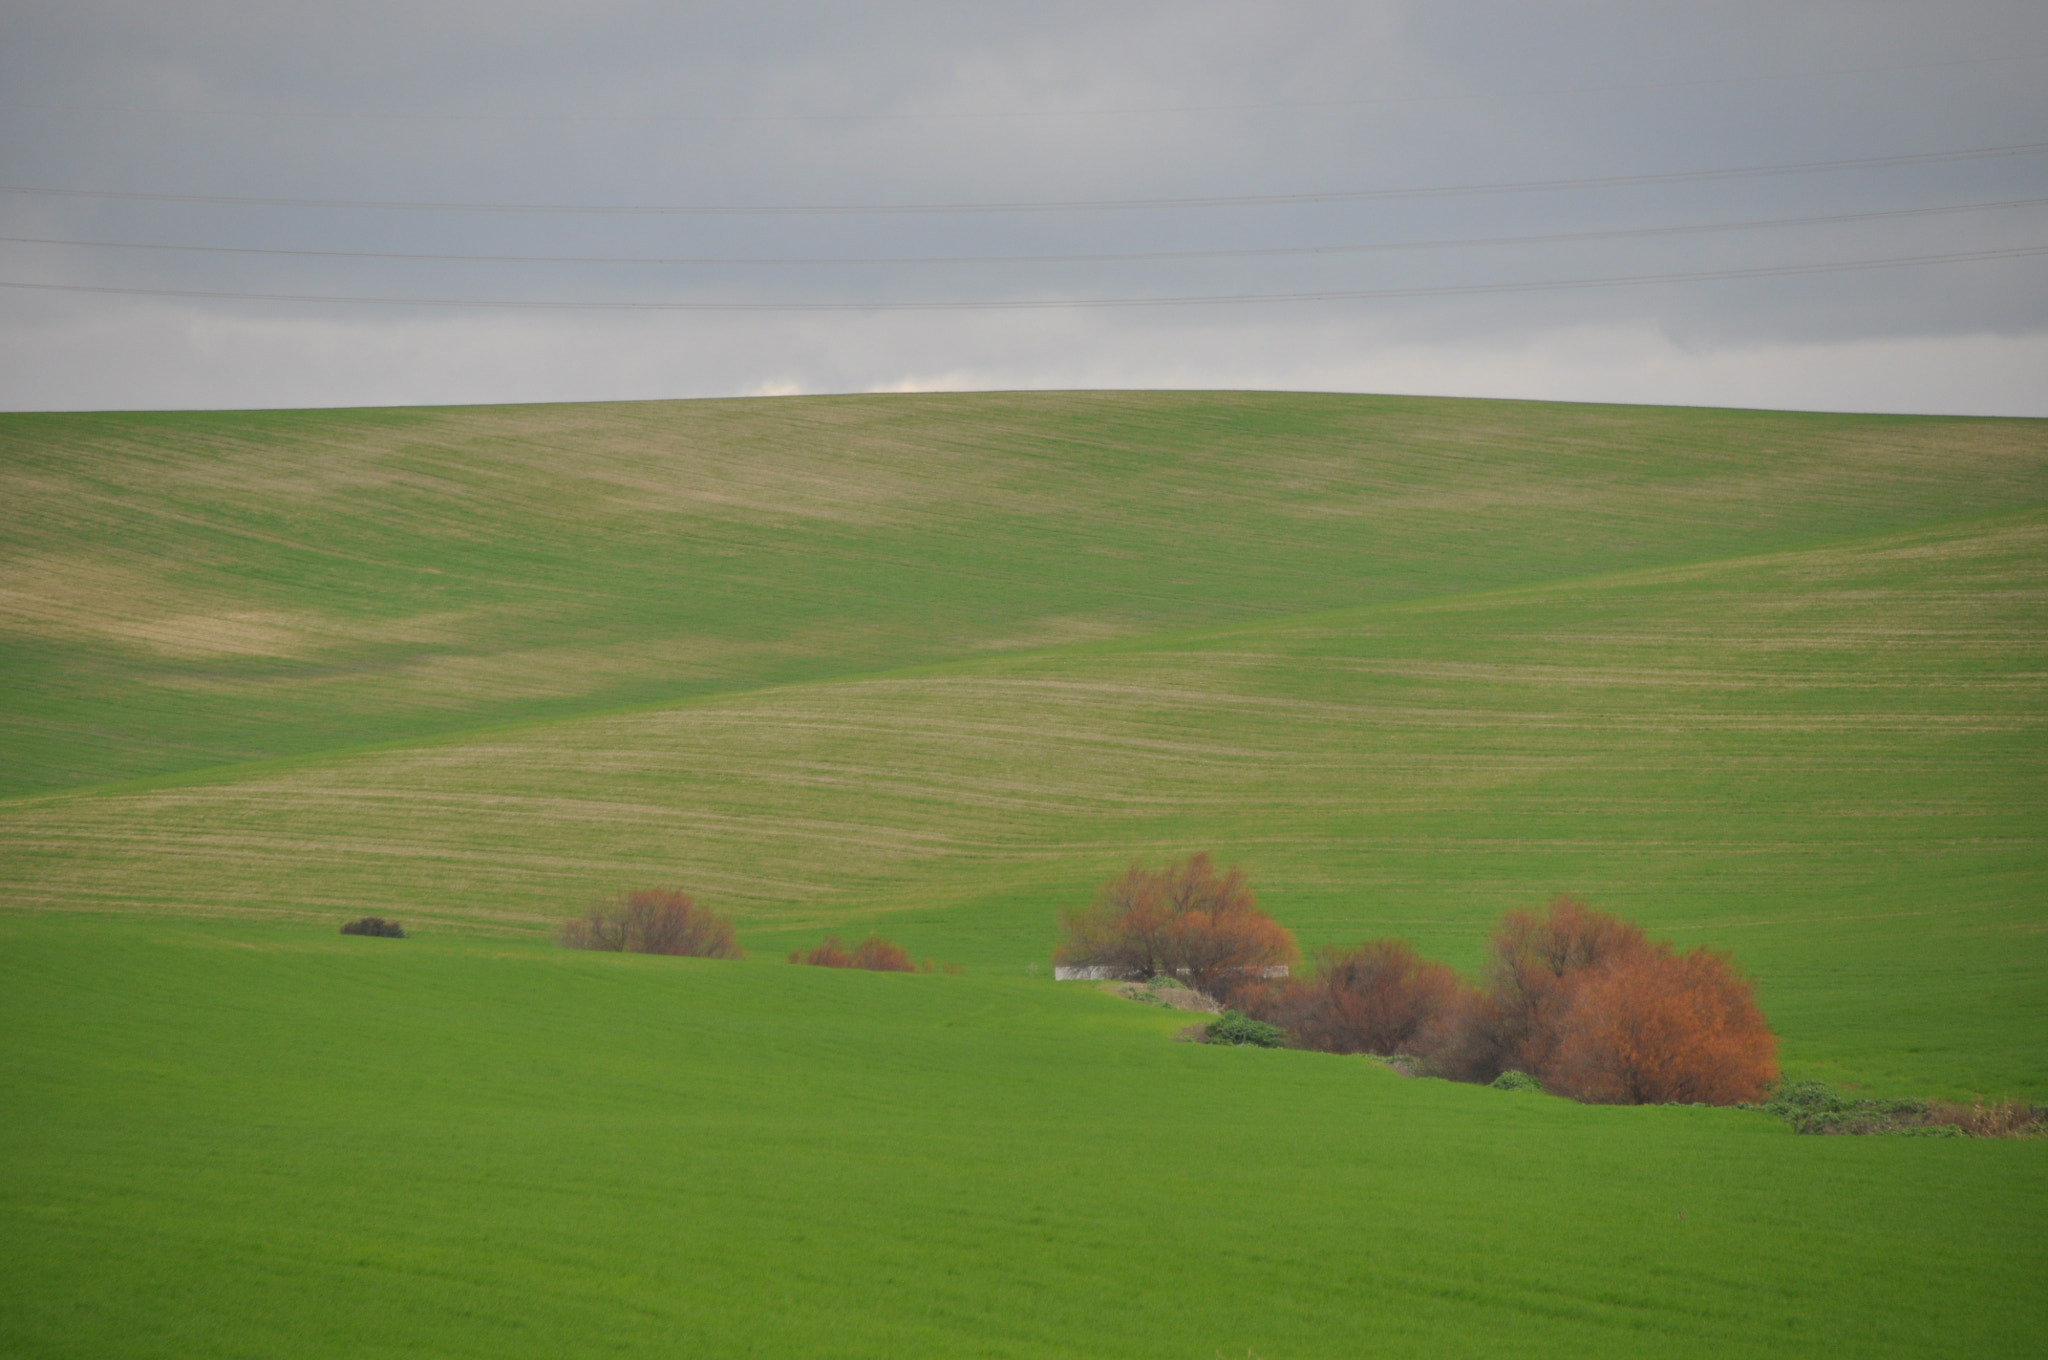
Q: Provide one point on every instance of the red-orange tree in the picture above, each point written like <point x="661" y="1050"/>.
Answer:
<point x="1589" y="1006"/>
<point x="1539" y="963"/>
<point x="1186" y="920"/>
<point x="1535" y="965"/>
<point x="1659" y="1026"/>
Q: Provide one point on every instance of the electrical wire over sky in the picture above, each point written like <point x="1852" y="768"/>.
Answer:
<point x="1053" y="205"/>
<point x="787" y="199"/>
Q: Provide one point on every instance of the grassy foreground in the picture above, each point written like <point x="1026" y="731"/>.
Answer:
<point x="253" y="1139"/>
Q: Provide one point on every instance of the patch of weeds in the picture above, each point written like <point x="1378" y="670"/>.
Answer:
<point x="1235" y="1027"/>
<point x="1992" y="1118"/>
<point x="1816" y="1107"/>
<point x="1515" y="1081"/>
<point x="1162" y="992"/>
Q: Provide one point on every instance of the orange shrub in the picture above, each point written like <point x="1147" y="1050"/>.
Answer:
<point x="1654" y="1026"/>
<point x="830" y="954"/>
<point x="653" y="921"/>
<point x="1378" y="997"/>
<point x="1186" y="921"/>
<point x="1587" y="1005"/>
<point x="874" y="954"/>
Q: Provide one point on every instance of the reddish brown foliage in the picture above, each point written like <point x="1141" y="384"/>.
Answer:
<point x="1378" y="997"/>
<point x="878" y="955"/>
<point x="1186" y="921"/>
<point x="1537" y="963"/>
<point x="831" y="954"/>
<point x="1654" y="1026"/>
<point x="653" y="921"/>
<point x="1587" y="1005"/>
<point x="874" y="954"/>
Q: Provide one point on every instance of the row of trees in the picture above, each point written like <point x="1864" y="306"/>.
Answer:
<point x="1584" y="1002"/>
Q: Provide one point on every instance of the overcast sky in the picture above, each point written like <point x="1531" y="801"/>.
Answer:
<point x="1369" y="177"/>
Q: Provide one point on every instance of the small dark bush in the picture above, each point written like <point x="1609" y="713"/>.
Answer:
<point x="374" y="925"/>
<point x="875" y="954"/>
<point x="652" y="921"/>
<point x="1515" y="1081"/>
<point x="1235" y="1027"/>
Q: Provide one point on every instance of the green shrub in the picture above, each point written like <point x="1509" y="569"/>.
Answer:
<point x="1235" y="1027"/>
<point x="1816" y="1107"/>
<point x="1515" y="1081"/>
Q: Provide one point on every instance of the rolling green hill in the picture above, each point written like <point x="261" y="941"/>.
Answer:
<point x="191" y="589"/>
<point x="1777" y="684"/>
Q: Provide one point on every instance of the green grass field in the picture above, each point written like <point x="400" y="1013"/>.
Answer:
<point x="936" y="666"/>
<point x="254" y="1139"/>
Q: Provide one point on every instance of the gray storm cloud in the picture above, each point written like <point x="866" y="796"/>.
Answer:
<point x="1485" y="199"/>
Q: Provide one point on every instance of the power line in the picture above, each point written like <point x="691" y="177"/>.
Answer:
<point x="1047" y="304"/>
<point x="1102" y="257"/>
<point x="1069" y="205"/>
<point x="1826" y="73"/>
